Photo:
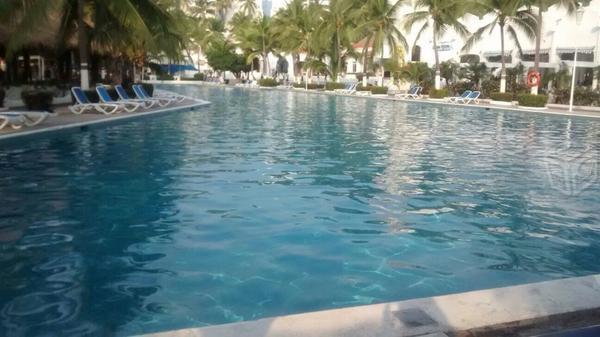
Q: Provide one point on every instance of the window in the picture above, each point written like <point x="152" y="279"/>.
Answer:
<point x="498" y="58"/>
<point x="416" y="54"/>
<point x="544" y="57"/>
<point x="581" y="57"/>
<point x="354" y="67"/>
<point x="469" y="58"/>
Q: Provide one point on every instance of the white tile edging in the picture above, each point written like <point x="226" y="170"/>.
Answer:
<point x="108" y="120"/>
<point x="456" y="312"/>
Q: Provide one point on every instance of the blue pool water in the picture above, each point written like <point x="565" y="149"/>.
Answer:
<point x="271" y="203"/>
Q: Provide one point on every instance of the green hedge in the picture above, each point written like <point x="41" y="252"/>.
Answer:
<point x="38" y="99"/>
<point x="267" y="82"/>
<point x="375" y="90"/>
<point x="334" y="86"/>
<point x="582" y="96"/>
<point x="501" y="96"/>
<point x="439" y="93"/>
<point x="311" y="86"/>
<point x="536" y="101"/>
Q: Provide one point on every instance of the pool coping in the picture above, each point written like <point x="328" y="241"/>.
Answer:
<point x="557" y="304"/>
<point x="548" y="111"/>
<point x="108" y="120"/>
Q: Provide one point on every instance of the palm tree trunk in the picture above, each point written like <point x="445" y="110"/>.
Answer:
<point x="366" y="62"/>
<point x="538" y="42"/>
<point x="83" y="46"/>
<point x="503" y="60"/>
<point x="437" y="59"/>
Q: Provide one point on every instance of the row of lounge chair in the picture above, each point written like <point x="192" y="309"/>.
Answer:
<point x="467" y="97"/>
<point x="107" y="105"/>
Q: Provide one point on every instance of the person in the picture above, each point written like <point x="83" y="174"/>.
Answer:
<point x="2" y="70"/>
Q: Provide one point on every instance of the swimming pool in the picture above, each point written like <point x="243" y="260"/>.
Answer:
<point x="269" y="203"/>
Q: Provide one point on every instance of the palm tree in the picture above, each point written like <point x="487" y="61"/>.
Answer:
<point x="510" y="16"/>
<point x="248" y="7"/>
<point x="542" y="7"/>
<point x="380" y="29"/>
<point x="337" y="31"/>
<point x="259" y="39"/>
<point x="439" y="15"/>
<point x="108" y="25"/>
<point x="295" y="25"/>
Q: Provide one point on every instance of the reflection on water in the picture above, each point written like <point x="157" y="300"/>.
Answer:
<point x="268" y="203"/>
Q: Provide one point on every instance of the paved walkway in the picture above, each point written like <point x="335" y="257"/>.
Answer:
<point x="63" y="119"/>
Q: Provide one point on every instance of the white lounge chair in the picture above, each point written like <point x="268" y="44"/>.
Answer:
<point x="348" y="89"/>
<point x="128" y="106"/>
<point x="84" y="104"/>
<point x="124" y="97"/>
<point x="141" y="93"/>
<point x="472" y="98"/>
<point x="463" y="96"/>
<point x="166" y="94"/>
<point x="18" y="119"/>
<point x="413" y="93"/>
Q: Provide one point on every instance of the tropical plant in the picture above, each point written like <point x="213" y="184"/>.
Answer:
<point x="336" y="33"/>
<point x="417" y="73"/>
<point x="248" y="7"/>
<point x="439" y="15"/>
<point x="258" y="39"/>
<point x="295" y="25"/>
<point x="113" y="27"/>
<point x="449" y="71"/>
<point x="510" y="16"/>
<point x="378" y="30"/>
<point x="221" y="56"/>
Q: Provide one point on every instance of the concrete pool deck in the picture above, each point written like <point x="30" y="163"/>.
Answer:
<point x="522" y="310"/>
<point x="64" y="120"/>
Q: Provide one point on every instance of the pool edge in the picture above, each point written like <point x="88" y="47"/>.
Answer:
<point x="485" y="312"/>
<point x="116" y="119"/>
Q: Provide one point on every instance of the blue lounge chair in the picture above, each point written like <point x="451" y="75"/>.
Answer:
<point x="463" y="96"/>
<point x="84" y="104"/>
<point x="18" y="119"/>
<point x="105" y="98"/>
<point x="124" y="97"/>
<point x="349" y="88"/>
<point x="141" y="93"/>
<point x="472" y="98"/>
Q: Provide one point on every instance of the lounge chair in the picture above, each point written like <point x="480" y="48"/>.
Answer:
<point x="167" y="94"/>
<point x="17" y="120"/>
<point x="463" y="96"/>
<point x="105" y="98"/>
<point x="124" y="97"/>
<point x="472" y="98"/>
<point x="413" y="93"/>
<point x="84" y="104"/>
<point x="141" y="93"/>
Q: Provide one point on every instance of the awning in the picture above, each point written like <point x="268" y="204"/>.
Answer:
<point x="175" y="68"/>
<point x="496" y="53"/>
<point x="583" y="50"/>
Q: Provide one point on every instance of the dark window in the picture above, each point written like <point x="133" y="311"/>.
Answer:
<point x="583" y="57"/>
<point x="469" y="58"/>
<point x="354" y="67"/>
<point x="544" y="58"/>
<point x="416" y="54"/>
<point x="498" y="58"/>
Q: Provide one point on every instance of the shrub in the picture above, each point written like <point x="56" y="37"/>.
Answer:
<point x="199" y="77"/>
<point x="581" y="96"/>
<point x="267" y="82"/>
<point x="311" y="86"/>
<point x="38" y="99"/>
<point x="334" y="85"/>
<point x="375" y="90"/>
<point x="501" y="96"/>
<point x="488" y="87"/>
<point x="459" y="87"/>
<point x="538" y="101"/>
<point x="165" y="77"/>
<point x="439" y="93"/>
